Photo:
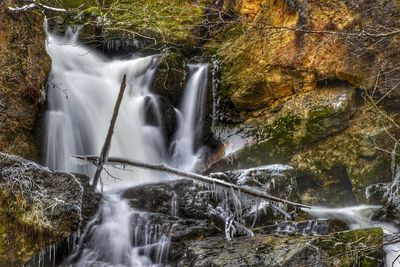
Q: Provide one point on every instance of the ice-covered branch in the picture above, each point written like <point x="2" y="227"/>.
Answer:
<point x="205" y="179"/>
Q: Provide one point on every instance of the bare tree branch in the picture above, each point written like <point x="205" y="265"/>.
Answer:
<point x="103" y="159"/>
<point x="205" y="179"/>
<point x="34" y="4"/>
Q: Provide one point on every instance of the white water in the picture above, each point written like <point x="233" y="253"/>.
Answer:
<point x="82" y="94"/>
<point x="360" y="217"/>
<point x="185" y="152"/>
<point x="83" y="88"/>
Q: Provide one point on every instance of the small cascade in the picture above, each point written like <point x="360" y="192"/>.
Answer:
<point x="116" y="45"/>
<point x="185" y="152"/>
<point x="121" y="236"/>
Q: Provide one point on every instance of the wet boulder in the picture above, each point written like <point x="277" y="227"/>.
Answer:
<point x="377" y="193"/>
<point x="39" y="207"/>
<point x="181" y="198"/>
<point x="191" y="200"/>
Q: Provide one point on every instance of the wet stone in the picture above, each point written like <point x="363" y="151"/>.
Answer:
<point x="311" y="227"/>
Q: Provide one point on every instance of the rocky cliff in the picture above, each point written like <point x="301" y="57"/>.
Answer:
<point x="25" y="66"/>
<point x="315" y="84"/>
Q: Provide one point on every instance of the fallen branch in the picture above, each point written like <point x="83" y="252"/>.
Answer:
<point x="163" y="168"/>
<point x="34" y="4"/>
<point x="107" y="143"/>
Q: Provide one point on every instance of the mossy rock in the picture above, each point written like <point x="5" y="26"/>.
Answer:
<point x="25" y="66"/>
<point x="301" y="121"/>
<point x="155" y="24"/>
<point x="340" y="249"/>
<point x="170" y="76"/>
<point x="348" y="161"/>
<point x="39" y="207"/>
<point x="346" y="249"/>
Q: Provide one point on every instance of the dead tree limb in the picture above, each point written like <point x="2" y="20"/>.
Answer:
<point x="163" y="168"/>
<point x="34" y="4"/>
<point x="107" y="143"/>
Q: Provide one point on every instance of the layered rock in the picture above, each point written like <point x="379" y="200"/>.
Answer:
<point x="290" y="46"/>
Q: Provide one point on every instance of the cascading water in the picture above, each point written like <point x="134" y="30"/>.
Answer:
<point x="185" y="154"/>
<point x="83" y="88"/>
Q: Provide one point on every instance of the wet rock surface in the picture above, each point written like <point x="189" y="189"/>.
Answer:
<point x="308" y="107"/>
<point x="277" y="180"/>
<point x="180" y="197"/>
<point x="198" y="239"/>
<point x="333" y="167"/>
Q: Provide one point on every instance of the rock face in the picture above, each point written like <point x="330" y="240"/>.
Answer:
<point x="38" y="207"/>
<point x="25" y="66"/>
<point x="293" y="80"/>
<point x="288" y="48"/>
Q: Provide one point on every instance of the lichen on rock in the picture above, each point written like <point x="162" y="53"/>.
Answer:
<point x="38" y="207"/>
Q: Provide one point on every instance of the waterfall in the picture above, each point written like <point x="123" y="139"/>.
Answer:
<point x="185" y="152"/>
<point x="82" y="94"/>
<point x="83" y="88"/>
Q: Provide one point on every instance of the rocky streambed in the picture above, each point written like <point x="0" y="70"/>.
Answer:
<point x="193" y="216"/>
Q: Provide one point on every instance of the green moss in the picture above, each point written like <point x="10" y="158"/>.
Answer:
<point x="168" y="21"/>
<point x="317" y="124"/>
<point x="93" y="10"/>
<point x="155" y="22"/>
<point x="346" y="248"/>
<point x="283" y="129"/>
<point x="223" y="36"/>
<point x="170" y="76"/>
<point x="276" y="144"/>
<point x="71" y="3"/>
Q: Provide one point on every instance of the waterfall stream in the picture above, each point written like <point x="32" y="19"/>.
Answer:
<point x="185" y="154"/>
<point x="83" y="88"/>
